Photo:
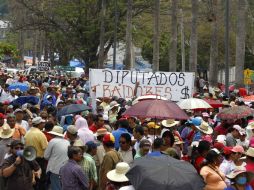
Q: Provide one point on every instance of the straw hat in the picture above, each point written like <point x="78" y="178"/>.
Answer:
<point x="177" y="140"/>
<point x="205" y="128"/>
<point x="118" y="174"/>
<point x="250" y="152"/>
<point x="153" y="125"/>
<point x="6" y="131"/>
<point x="250" y="125"/>
<point x="57" y="131"/>
<point x="169" y="123"/>
<point x="113" y="104"/>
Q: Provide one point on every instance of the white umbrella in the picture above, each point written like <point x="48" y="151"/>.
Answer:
<point x="193" y="103"/>
<point x="148" y="97"/>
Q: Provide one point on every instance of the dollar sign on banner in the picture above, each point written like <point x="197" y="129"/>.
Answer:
<point x="185" y="92"/>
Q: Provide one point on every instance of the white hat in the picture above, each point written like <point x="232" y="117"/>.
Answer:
<point x="239" y="170"/>
<point x="250" y="152"/>
<point x="221" y="139"/>
<point x="57" y="131"/>
<point x="169" y="123"/>
<point x="113" y="104"/>
<point x="239" y="129"/>
<point x="6" y="131"/>
<point x="205" y="128"/>
<point x="38" y="120"/>
<point x="118" y="174"/>
<point x="105" y="117"/>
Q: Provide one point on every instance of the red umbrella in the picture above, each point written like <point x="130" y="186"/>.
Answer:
<point x="214" y="103"/>
<point x="161" y="109"/>
<point x="236" y="112"/>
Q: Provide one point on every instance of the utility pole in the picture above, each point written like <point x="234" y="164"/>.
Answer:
<point x="115" y="36"/>
<point x="182" y="40"/>
<point x="227" y="47"/>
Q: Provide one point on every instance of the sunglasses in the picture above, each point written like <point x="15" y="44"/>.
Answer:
<point x="19" y="148"/>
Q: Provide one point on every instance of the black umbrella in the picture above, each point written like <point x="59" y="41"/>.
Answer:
<point x="73" y="108"/>
<point x="164" y="173"/>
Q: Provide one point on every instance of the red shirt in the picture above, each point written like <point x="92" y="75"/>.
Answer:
<point x="199" y="160"/>
<point x="48" y="136"/>
<point x="221" y="130"/>
<point x="250" y="167"/>
<point x="93" y="128"/>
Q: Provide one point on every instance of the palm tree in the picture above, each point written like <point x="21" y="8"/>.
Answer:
<point x="102" y="34"/>
<point x="173" y="39"/>
<point x="240" y="41"/>
<point x="156" y="36"/>
<point x="193" y="37"/>
<point x="128" y="59"/>
<point x="213" y="65"/>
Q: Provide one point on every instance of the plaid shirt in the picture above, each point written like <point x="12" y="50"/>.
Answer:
<point x="89" y="167"/>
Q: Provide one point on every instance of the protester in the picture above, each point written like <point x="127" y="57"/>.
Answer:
<point x="18" y="172"/>
<point x="111" y="158"/>
<point x="56" y="154"/>
<point x="123" y="126"/>
<point x="214" y="179"/>
<point x="83" y="131"/>
<point x="126" y="151"/>
<point x="138" y="134"/>
<point x="144" y="148"/>
<point x="72" y="175"/>
<point x="117" y="178"/>
<point x="231" y="138"/>
<point x="157" y="147"/>
<point x="19" y="132"/>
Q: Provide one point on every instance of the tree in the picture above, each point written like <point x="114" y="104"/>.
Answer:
<point x="240" y="41"/>
<point x="102" y="34"/>
<point x="173" y="39"/>
<point x="156" y="36"/>
<point x="193" y="37"/>
<point x="128" y="60"/>
<point x="213" y="65"/>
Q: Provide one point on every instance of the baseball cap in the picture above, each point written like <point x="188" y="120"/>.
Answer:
<point x="38" y="120"/>
<point x="91" y="145"/>
<point x="227" y="150"/>
<point x="239" y="129"/>
<point x="238" y="149"/>
<point x="2" y="116"/>
<point x="72" y="129"/>
<point x="108" y="138"/>
<point x="205" y="114"/>
<point x="219" y="146"/>
<point x="15" y="143"/>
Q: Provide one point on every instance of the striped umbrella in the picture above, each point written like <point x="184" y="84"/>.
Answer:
<point x="235" y="112"/>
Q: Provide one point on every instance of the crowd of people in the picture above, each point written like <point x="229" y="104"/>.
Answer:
<point x="95" y="148"/>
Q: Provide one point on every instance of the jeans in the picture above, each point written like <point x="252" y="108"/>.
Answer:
<point x="55" y="183"/>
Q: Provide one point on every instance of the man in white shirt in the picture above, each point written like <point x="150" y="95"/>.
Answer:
<point x="19" y="119"/>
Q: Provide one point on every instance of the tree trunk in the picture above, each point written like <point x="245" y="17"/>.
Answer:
<point x="173" y="39"/>
<point x="102" y="34"/>
<point x="240" y="41"/>
<point x="128" y="61"/>
<point x="193" y="37"/>
<point x="35" y="39"/>
<point x="213" y="66"/>
<point x="156" y="36"/>
<point x="182" y="41"/>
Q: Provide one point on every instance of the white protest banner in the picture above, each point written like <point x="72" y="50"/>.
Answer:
<point x="121" y="83"/>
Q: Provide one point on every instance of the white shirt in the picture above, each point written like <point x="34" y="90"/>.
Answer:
<point x="24" y="124"/>
<point x="127" y="156"/>
<point x="129" y="187"/>
<point x="4" y="96"/>
<point x="56" y="154"/>
<point x="136" y="145"/>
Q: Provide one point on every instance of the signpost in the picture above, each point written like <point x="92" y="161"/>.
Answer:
<point x="172" y="85"/>
<point x="43" y="66"/>
<point x="64" y="68"/>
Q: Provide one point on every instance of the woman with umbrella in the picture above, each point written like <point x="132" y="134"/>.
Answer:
<point x="240" y="179"/>
<point x="214" y="179"/>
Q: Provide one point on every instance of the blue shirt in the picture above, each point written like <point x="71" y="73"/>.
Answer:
<point x="197" y="136"/>
<point x="247" y="187"/>
<point x="155" y="153"/>
<point x="73" y="177"/>
<point x="117" y="134"/>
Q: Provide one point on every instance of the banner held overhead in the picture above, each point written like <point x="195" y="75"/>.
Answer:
<point x="172" y="85"/>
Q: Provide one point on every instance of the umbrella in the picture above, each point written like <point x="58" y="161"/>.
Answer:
<point x="193" y="103"/>
<point x="148" y="97"/>
<point x="22" y="86"/>
<point x="235" y="112"/>
<point x="73" y="108"/>
<point x="164" y="173"/>
<point x="214" y="103"/>
<point x="248" y="98"/>
<point x="160" y="109"/>
<point x="26" y="99"/>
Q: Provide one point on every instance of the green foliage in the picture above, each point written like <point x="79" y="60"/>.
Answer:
<point x="7" y="49"/>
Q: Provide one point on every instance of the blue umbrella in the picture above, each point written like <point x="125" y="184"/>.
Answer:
<point x="26" y="99"/>
<point x="22" y="86"/>
<point x="72" y="109"/>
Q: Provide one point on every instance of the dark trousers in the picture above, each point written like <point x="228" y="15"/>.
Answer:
<point x="41" y="184"/>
